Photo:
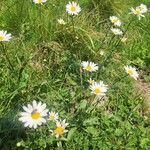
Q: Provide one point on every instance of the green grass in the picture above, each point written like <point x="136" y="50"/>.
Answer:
<point x="45" y="65"/>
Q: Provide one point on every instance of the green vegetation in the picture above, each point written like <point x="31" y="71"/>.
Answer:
<point x="42" y="62"/>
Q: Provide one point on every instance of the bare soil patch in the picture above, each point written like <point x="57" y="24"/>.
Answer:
<point x="143" y="88"/>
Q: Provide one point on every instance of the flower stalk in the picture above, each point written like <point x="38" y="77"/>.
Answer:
<point x="6" y="56"/>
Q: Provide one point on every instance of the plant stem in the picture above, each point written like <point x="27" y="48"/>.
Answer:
<point x="118" y="79"/>
<point x="105" y="63"/>
<point x="72" y="20"/>
<point x="7" y="57"/>
<point x="40" y="25"/>
<point x="59" y="145"/>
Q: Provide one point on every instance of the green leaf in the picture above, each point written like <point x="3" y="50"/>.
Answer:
<point x="71" y="133"/>
<point x="91" y="121"/>
<point x="83" y="104"/>
<point x="118" y="132"/>
<point x="70" y="80"/>
<point x="92" y="131"/>
<point x="144" y="142"/>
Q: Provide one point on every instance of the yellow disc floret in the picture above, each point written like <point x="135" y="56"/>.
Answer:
<point x="73" y="8"/>
<point x="97" y="91"/>
<point x="59" y="130"/>
<point x="1" y="38"/>
<point x="35" y="115"/>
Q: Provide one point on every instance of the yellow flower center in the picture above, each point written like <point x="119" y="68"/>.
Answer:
<point x="2" y="38"/>
<point x="59" y="130"/>
<point x="88" y="68"/>
<point x="52" y="117"/>
<point x="115" y="21"/>
<point x="97" y="91"/>
<point x="73" y="8"/>
<point x="35" y="115"/>
<point x="40" y="1"/>
<point x="130" y="72"/>
<point x="138" y="12"/>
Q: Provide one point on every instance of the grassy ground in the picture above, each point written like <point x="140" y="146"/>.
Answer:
<point x="43" y="63"/>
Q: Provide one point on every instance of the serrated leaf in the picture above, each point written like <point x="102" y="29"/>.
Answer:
<point x="92" y="131"/>
<point x="71" y="133"/>
<point x="118" y="132"/>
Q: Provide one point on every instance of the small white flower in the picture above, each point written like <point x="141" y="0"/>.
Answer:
<point x="34" y="114"/>
<point x="73" y="8"/>
<point x="115" y="20"/>
<point x="143" y="8"/>
<point x="4" y="37"/>
<point x="132" y="72"/>
<point x="124" y="39"/>
<point x="53" y="116"/>
<point x="116" y="31"/>
<point x="60" y="128"/>
<point x="61" y="21"/>
<point x="99" y="88"/>
<point x="39" y="1"/>
<point x="90" y="81"/>
<point x="101" y="53"/>
<point x="137" y="12"/>
<point x="18" y="144"/>
<point x="89" y="66"/>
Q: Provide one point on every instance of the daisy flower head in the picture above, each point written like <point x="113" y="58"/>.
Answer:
<point x="115" y="20"/>
<point x="99" y="88"/>
<point x="33" y="115"/>
<point x="73" y="8"/>
<point x="4" y="37"/>
<point x="131" y="71"/>
<point x="39" y="1"/>
<point x="53" y="116"/>
<point x="137" y="12"/>
<point x="143" y="8"/>
<point x="89" y="66"/>
<point x="60" y="128"/>
<point x="91" y="81"/>
<point x="61" y="21"/>
<point x="116" y="31"/>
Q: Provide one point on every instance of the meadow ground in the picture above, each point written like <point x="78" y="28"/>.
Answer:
<point x="42" y="62"/>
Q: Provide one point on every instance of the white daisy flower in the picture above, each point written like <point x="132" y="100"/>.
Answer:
<point x="34" y="114"/>
<point x="61" y="21"/>
<point x="73" y="8"/>
<point x="39" y="1"/>
<point x="60" y="128"/>
<point x="116" y="31"/>
<point x="90" y="81"/>
<point x="137" y="12"/>
<point x="53" y="116"/>
<point x="132" y="72"/>
<point x="4" y="37"/>
<point x="89" y="66"/>
<point x="143" y="8"/>
<point x="99" y="88"/>
<point x="115" y="20"/>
